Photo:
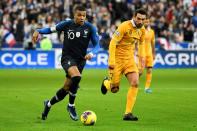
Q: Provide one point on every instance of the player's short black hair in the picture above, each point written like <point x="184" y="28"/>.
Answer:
<point x="141" y="11"/>
<point x="80" y="8"/>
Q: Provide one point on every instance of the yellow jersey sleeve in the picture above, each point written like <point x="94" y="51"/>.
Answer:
<point x="119" y="33"/>
<point x="117" y="36"/>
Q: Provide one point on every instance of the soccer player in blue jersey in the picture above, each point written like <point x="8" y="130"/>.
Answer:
<point x="77" y="35"/>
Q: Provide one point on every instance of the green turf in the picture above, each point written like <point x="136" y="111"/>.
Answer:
<point x="171" y="106"/>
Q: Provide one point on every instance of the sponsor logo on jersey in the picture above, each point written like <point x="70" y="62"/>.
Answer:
<point x="117" y="33"/>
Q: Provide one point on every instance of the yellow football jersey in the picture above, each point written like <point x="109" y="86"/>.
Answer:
<point x="124" y="41"/>
<point x="149" y="40"/>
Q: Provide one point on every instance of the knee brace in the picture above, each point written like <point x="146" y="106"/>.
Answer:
<point x="115" y="89"/>
<point x="61" y="93"/>
<point x="74" y="84"/>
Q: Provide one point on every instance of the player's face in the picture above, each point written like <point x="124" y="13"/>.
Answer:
<point x="139" y="20"/>
<point x="80" y="17"/>
<point x="146" y="22"/>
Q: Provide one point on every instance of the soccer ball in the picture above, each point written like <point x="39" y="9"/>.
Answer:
<point x="88" y="117"/>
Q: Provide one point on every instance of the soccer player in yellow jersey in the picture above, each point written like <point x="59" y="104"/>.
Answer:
<point x="121" y="59"/>
<point x="149" y="53"/>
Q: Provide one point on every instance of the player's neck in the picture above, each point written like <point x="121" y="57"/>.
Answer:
<point x="148" y="27"/>
<point x="77" y="23"/>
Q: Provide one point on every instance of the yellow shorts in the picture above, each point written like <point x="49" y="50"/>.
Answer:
<point x="122" y="67"/>
<point x="149" y="61"/>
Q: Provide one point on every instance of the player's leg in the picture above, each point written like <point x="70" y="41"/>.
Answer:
<point x="148" y="80"/>
<point x="60" y="94"/>
<point x="111" y="83"/>
<point x="74" y="72"/>
<point x="133" y="79"/>
<point x="149" y="65"/>
<point x="75" y="79"/>
<point x="106" y="84"/>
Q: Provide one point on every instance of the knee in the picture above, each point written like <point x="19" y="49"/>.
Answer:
<point x="135" y="83"/>
<point x="74" y="84"/>
<point x="75" y="80"/>
<point x="149" y="70"/>
<point x="67" y="86"/>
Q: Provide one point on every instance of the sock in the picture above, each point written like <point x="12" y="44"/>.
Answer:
<point x="131" y="98"/>
<point x="148" y="80"/>
<point x="71" y="104"/>
<point x="61" y="93"/>
<point x="53" y="100"/>
<point x="107" y="84"/>
<point x="72" y="98"/>
<point x="49" y="104"/>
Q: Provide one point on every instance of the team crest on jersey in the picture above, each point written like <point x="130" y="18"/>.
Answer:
<point x="78" y="34"/>
<point x="117" y="33"/>
<point x="85" y="33"/>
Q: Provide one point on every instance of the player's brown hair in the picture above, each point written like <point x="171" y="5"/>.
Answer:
<point x="141" y="11"/>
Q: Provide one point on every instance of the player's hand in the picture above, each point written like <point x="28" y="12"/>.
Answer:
<point x="89" y="56"/>
<point x="35" y="37"/>
<point x="142" y="61"/>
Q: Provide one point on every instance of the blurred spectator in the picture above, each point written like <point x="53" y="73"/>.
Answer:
<point x="195" y="37"/>
<point x="194" y="19"/>
<point x="53" y="37"/>
<point x="175" y="21"/>
<point x="46" y="44"/>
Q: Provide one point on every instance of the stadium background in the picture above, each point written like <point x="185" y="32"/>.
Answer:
<point x="174" y="96"/>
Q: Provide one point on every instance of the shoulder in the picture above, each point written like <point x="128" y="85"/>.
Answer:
<point x="125" y="23"/>
<point x="124" y="26"/>
<point x="89" y="25"/>
<point x="65" y="22"/>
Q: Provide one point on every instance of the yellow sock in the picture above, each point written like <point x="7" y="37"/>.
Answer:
<point x="107" y="84"/>
<point x="148" y="80"/>
<point x="131" y="97"/>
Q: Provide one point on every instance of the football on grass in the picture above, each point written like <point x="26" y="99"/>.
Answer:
<point x="88" y="117"/>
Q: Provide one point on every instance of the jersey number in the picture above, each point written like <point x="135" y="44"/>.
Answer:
<point x="71" y="35"/>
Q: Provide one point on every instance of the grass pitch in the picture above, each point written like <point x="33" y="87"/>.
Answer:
<point x="171" y="106"/>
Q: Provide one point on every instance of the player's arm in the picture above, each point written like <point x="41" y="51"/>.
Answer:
<point x="48" y="30"/>
<point x="153" y="45"/>
<point x="117" y="36"/>
<point x="95" y="42"/>
<point x="41" y="31"/>
<point x="112" y="50"/>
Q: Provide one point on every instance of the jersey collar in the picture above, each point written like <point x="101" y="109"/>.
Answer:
<point x="148" y="28"/>
<point x="133" y="23"/>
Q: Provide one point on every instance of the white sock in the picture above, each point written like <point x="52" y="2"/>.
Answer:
<point x="49" y="104"/>
<point x="71" y="104"/>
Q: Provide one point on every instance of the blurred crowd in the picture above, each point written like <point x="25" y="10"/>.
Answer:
<point x="174" y="21"/>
